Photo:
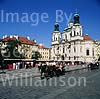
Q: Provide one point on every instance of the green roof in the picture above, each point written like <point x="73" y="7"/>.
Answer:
<point x="67" y="29"/>
<point x="77" y="24"/>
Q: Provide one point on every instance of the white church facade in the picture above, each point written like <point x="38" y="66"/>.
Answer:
<point x="71" y="45"/>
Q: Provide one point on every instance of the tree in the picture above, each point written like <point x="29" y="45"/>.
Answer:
<point x="36" y="55"/>
<point x="1" y="62"/>
<point x="12" y="49"/>
<point x="1" y="58"/>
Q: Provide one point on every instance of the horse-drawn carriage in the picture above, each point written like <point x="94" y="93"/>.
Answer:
<point x="51" y="71"/>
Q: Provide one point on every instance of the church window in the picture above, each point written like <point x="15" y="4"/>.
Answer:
<point x="77" y="33"/>
<point x="65" y="55"/>
<point x="74" y="50"/>
<point x="87" y="52"/>
<point x="74" y="33"/>
<point x="71" y="34"/>
<point x="69" y="57"/>
<point x="56" y="38"/>
<point x="74" y="58"/>
<point x="63" y="50"/>
<point x="58" y="48"/>
<point x="65" y="37"/>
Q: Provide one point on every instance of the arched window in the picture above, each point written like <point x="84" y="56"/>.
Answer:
<point x="56" y="38"/>
<point x="65" y="36"/>
<point x="71" y="34"/>
<point x="57" y="48"/>
<point x="87" y="52"/>
<point x="77" y="33"/>
<point x="74" y="49"/>
<point x="74" y="33"/>
<point x="69" y="57"/>
<point x="63" y="50"/>
<point x="63" y="57"/>
<point x="74" y="57"/>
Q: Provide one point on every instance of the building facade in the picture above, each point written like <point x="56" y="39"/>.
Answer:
<point x="71" y="44"/>
<point x="25" y="48"/>
<point x="98" y="49"/>
<point x="45" y="53"/>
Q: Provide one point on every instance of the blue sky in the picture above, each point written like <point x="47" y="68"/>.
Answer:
<point x="89" y="11"/>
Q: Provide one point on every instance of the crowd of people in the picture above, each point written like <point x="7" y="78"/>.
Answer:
<point x="51" y="70"/>
<point x="48" y="70"/>
<point x="19" y="65"/>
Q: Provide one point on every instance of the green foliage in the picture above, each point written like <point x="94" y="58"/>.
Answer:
<point x="12" y="51"/>
<point x="1" y="57"/>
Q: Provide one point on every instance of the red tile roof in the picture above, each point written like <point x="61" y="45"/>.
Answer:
<point x="8" y="38"/>
<point x="23" y="40"/>
<point x="87" y="38"/>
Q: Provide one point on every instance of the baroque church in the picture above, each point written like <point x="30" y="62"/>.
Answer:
<point x="71" y="45"/>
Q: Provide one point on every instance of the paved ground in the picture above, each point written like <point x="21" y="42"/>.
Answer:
<point x="68" y="86"/>
<point x="34" y="72"/>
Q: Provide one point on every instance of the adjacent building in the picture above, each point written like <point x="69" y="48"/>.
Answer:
<point x="98" y="49"/>
<point x="25" y="48"/>
<point x="45" y="52"/>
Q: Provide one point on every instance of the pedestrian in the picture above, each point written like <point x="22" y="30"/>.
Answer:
<point x="14" y="65"/>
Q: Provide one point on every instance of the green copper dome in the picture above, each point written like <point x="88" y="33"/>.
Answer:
<point x="56" y="27"/>
<point x="76" y="18"/>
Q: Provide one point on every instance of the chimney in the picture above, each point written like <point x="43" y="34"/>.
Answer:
<point x="5" y="36"/>
<point x="16" y="36"/>
<point x="11" y="36"/>
<point x="28" y="37"/>
<point x="35" y="41"/>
